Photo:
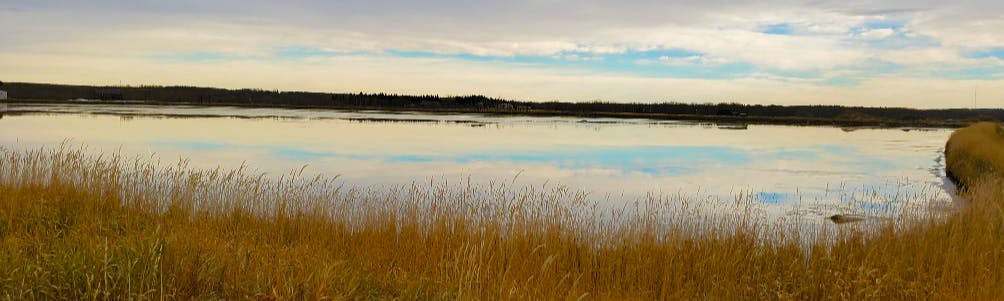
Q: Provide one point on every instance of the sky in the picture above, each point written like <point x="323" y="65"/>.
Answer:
<point x="923" y="54"/>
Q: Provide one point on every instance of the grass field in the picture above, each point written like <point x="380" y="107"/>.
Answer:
<point x="78" y="226"/>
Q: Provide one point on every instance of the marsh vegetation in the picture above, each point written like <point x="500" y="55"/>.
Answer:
<point x="82" y="226"/>
<point x="974" y="153"/>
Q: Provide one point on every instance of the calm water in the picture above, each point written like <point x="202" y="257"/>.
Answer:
<point x="804" y="170"/>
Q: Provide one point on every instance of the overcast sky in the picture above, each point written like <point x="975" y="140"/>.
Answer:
<point x="875" y="53"/>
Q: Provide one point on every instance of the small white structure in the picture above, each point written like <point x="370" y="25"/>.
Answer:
<point x="3" y="94"/>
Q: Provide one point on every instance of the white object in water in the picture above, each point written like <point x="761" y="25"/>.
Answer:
<point x="3" y="94"/>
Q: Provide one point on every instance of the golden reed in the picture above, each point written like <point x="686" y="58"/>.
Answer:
<point x="77" y="226"/>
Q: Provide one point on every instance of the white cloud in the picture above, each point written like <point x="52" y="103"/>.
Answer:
<point x="925" y="57"/>
<point x="101" y="42"/>
<point x="433" y="76"/>
<point x="877" y="34"/>
<point x="692" y="60"/>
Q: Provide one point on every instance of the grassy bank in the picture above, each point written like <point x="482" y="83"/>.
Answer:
<point x="975" y="152"/>
<point x="75" y="226"/>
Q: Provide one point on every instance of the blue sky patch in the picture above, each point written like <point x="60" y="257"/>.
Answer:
<point x="299" y="52"/>
<point x="458" y="56"/>
<point x="879" y="24"/>
<point x="989" y="53"/>
<point x="778" y="29"/>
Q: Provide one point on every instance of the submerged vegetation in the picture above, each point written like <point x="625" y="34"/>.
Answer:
<point x="78" y="226"/>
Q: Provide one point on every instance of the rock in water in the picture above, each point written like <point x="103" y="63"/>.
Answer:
<point x="846" y="218"/>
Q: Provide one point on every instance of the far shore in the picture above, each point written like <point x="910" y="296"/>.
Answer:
<point x="726" y="119"/>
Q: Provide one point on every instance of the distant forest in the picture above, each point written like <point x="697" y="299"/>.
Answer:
<point x="474" y="103"/>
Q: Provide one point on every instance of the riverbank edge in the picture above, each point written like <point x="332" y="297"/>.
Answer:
<point x="726" y="119"/>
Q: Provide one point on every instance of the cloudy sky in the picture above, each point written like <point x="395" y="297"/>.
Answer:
<point x="876" y="53"/>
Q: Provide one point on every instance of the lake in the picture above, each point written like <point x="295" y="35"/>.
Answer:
<point x="792" y="170"/>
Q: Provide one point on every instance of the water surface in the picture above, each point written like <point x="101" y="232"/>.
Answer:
<point x="815" y="171"/>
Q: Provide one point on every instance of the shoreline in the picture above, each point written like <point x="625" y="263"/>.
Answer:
<point x="721" y="119"/>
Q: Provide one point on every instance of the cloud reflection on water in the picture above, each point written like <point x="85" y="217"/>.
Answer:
<point x="783" y="165"/>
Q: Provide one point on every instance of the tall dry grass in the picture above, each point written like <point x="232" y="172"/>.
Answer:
<point x="76" y="226"/>
<point x="975" y="152"/>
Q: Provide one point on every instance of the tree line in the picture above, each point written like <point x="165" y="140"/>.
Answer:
<point x="217" y="96"/>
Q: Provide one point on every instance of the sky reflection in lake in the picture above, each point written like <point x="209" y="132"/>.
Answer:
<point x="615" y="160"/>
